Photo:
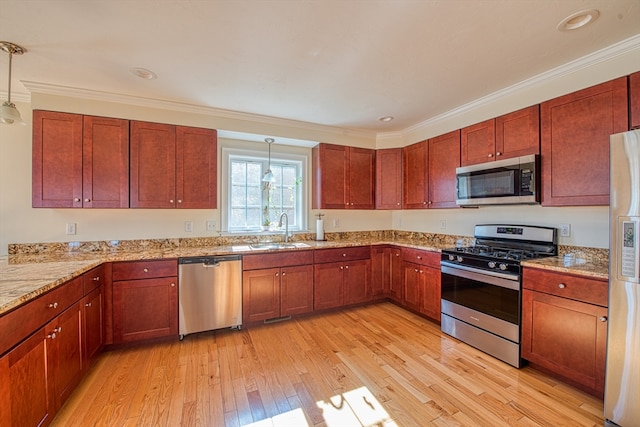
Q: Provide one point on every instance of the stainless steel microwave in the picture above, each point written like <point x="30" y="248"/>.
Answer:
<point x="503" y="182"/>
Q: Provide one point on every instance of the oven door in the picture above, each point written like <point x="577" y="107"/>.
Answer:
<point x="484" y="299"/>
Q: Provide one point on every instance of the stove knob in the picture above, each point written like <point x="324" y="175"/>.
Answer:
<point x="452" y="257"/>
<point x="503" y="267"/>
<point x="459" y="258"/>
<point x="492" y="264"/>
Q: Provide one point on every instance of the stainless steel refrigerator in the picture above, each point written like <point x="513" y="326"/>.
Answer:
<point x="622" y="377"/>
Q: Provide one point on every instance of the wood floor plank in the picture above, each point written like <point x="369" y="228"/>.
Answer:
<point x="371" y="365"/>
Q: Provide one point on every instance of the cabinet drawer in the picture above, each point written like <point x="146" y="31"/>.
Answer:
<point x="579" y="288"/>
<point x="21" y="322"/>
<point x="128" y="270"/>
<point x="93" y="278"/>
<point x="279" y="259"/>
<point x="342" y="254"/>
<point x="419" y="256"/>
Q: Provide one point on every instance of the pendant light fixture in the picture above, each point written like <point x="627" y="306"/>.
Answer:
<point x="268" y="176"/>
<point x="9" y="114"/>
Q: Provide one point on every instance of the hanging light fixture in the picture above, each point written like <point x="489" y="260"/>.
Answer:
<point x="9" y="114"/>
<point x="268" y="176"/>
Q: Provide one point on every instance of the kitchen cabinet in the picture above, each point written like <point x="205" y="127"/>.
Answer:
<point x="145" y="300"/>
<point x="634" y="100"/>
<point x="444" y="158"/>
<point x="79" y="161"/>
<point x="93" y="336"/>
<point x="415" y="179"/>
<point x="575" y="130"/>
<point x="386" y="272"/>
<point x="421" y="282"/>
<point x="173" y="166"/>
<point x="341" y="277"/>
<point x="277" y="285"/>
<point x="511" y="135"/>
<point x="389" y="178"/>
<point x="44" y="362"/>
<point x="343" y="177"/>
<point x="564" y="326"/>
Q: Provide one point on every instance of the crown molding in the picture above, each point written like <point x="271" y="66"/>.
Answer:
<point x="626" y="47"/>
<point x="95" y="95"/>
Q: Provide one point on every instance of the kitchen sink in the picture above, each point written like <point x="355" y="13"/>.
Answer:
<point x="276" y="245"/>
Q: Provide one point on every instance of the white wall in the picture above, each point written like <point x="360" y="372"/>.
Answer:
<point x="19" y="223"/>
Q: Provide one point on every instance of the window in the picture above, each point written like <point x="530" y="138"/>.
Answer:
<point x="253" y="205"/>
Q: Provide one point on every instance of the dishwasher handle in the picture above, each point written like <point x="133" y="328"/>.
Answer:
<point x="209" y="261"/>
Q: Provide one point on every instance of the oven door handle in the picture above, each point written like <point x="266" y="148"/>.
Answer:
<point x="494" y="278"/>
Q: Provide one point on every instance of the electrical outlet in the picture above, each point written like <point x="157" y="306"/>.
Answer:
<point x="565" y="230"/>
<point x="443" y="224"/>
<point x="188" y="226"/>
<point x="211" y="225"/>
<point x="71" y="228"/>
<point x="336" y="223"/>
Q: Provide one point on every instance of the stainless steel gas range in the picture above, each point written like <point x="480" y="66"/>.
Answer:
<point x="481" y="286"/>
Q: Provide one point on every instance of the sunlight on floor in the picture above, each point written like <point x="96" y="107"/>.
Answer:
<point x="357" y="407"/>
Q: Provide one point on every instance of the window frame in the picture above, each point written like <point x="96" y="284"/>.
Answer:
<point x="277" y="156"/>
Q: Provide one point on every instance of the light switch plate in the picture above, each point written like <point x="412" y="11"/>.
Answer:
<point x="71" y="228"/>
<point x="188" y="226"/>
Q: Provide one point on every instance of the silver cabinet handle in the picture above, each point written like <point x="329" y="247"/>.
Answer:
<point x="602" y="318"/>
<point x="171" y="201"/>
<point x="173" y="285"/>
<point x="562" y="285"/>
<point x="146" y="270"/>
<point x="87" y="200"/>
<point x="498" y="153"/>
<point x="277" y="274"/>
<point x="96" y="279"/>
<point x="284" y="274"/>
<point x="346" y="266"/>
<point x="490" y="155"/>
<point x="53" y="305"/>
<point x="179" y="201"/>
<point x="77" y="199"/>
<point x="341" y="268"/>
<point x="88" y="304"/>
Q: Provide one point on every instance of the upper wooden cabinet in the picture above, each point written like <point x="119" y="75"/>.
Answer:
<point x="343" y="177"/>
<point x="634" y="100"/>
<point x="444" y="158"/>
<point x="173" y="166"/>
<point x="79" y="161"/>
<point x="389" y="178"/>
<point x="575" y="131"/>
<point x="429" y="172"/>
<point x="511" y="135"/>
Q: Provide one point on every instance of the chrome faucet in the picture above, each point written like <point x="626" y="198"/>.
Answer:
<point x="286" y="227"/>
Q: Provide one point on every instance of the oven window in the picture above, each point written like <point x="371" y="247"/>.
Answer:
<point x="489" y="299"/>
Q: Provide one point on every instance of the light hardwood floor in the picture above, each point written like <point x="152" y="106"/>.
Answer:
<point x="373" y="365"/>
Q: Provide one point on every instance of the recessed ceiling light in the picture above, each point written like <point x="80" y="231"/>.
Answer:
<point x="386" y="118"/>
<point x="578" y="20"/>
<point x="143" y="73"/>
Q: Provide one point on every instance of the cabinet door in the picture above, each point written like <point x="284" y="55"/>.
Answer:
<point x="361" y="178"/>
<point x="565" y="336"/>
<point x="196" y="168"/>
<point x="260" y="294"/>
<point x="356" y="281"/>
<point x="634" y="100"/>
<point x="444" y="158"/>
<point x="296" y="290"/>
<point x="575" y="131"/>
<point x="380" y="269"/>
<point x="153" y="165"/>
<point x="415" y="187"/>
<point x="518" y="133"/>
<point x="412" y="285"/>
<point x="105" y="163"/>
<point x="477" y="143"/>
<point x="431" y="293"/>
<point x="92" y="326"/>
<point x="395" y="282"/>
<point x="327" y="290"/>
<point x="144" y="309"/>
<point x="27" y="399"/>
<point x="330" y="174"/>
<point x="389" y="178"/>
<point x="64" y="355"/>
<point x="57" y="160"/>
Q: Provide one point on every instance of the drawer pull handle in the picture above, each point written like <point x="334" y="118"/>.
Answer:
<point x="96" y="279"/>
<point x="562" y="285"/>
<point x="284" y="274"/>
<point x="341" y="268"/>
<point x="88" y="304"/>
<point x="603" y="318"/>
<point x="419" y="257"/>
<point x="347" y="267"/>
<point x="173" y="285"/>
<point x="53" y="305"/>
<point x="344" y="254"/>
<point x="146" y="270"/>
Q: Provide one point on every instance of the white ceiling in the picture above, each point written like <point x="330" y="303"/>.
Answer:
<point x="341" y="63"/>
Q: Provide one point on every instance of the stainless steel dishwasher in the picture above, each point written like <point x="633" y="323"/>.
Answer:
<point x="210" y="293"/>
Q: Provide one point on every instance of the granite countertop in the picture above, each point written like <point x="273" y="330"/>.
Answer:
<point x="25" y="276"/>
<point x="589" y="268"/>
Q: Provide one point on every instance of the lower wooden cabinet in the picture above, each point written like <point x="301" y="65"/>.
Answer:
<point x="92" y="326"/>
<point x="386" y="272"/>
<point x="421" y="282"/>
<point x="341" y="277"/>
<point x="561" y="332"/>
<point x="146" y="305"/>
